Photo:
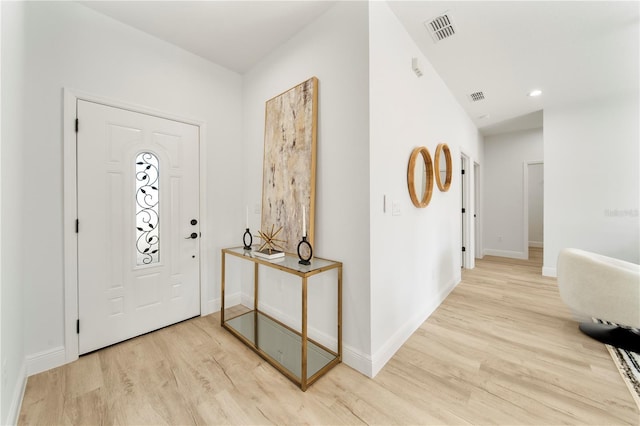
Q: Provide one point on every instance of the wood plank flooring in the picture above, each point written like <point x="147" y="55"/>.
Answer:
<point x="502" y="349"/>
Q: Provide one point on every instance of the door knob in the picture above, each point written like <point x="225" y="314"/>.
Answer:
<point x="193" y="236"/>
<point x="194" y="222"/>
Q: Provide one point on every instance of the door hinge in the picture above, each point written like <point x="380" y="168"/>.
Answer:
<point x="77" y="226"/>
<point x="77" y="125"/>
<point x="462" y="169"/>
<point x="78" y="326"/>
<point x="464" y="210"/>
<point x="464" y="249"/>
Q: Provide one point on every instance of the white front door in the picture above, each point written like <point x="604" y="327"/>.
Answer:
<point x="138" y="223"/>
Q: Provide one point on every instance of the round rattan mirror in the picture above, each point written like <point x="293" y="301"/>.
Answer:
<point x="420" y="177"/>
<point x="443" y="167"/>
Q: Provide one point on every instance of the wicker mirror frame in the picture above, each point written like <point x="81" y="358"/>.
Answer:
<point x="440" y="149"/>
<point x="420" y="200"/>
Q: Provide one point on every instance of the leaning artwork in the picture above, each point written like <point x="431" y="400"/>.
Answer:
<point x="289" y="167"/>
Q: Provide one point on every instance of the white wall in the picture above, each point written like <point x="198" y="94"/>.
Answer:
<point x="394" y="278"/>
<point x="505" y="157"/>
<point x="334" y="48"/>
<point x="69" y="45"/>
<point x="415" y="257"/>
<point x="372" y="112"/>
<point x="592" y="163"/>
<point x="12" y="352"/>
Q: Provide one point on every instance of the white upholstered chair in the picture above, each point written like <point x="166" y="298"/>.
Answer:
<point x="601" y="287"/>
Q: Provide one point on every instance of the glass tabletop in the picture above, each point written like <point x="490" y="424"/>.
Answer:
<point x="289" y="262"/>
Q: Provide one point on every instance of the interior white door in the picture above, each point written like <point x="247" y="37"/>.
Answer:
<point x="138" y="224"/>
<point x="463" y="223"/>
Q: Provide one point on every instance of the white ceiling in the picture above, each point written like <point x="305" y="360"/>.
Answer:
<point x="234" y="34"/>
<point x="571" y="50"/>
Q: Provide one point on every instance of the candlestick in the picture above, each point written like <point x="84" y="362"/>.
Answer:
<point x="247" y="218"/>
<point x="304" y="222"/>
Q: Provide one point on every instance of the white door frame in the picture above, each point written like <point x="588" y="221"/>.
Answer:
<point x="477" y="212"/>
<point x="467" y="233"/>
<point x="70" y="238"/>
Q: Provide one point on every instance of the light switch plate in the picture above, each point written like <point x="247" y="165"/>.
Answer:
<point x="395" y="208"/>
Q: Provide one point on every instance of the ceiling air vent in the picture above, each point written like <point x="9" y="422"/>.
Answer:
<point x="476" y="96"/>
<point x="440" y="27"/>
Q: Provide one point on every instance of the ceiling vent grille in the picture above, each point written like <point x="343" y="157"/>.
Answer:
<point x="440" y="27"/>
<point x="476" y="96"/>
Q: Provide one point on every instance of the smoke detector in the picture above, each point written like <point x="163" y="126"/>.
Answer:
<point x="415" y="65"/>
<point x="440" y="27"/>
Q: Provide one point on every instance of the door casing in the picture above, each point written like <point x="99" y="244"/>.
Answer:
<point x="477" y="213"/>
<point x="71" y="96"/>
<point x="467" y="199"/>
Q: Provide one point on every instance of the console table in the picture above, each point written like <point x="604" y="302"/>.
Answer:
<point x="300" y="359"/>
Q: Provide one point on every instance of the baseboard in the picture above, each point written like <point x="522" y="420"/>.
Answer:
<point x="357" y="360"/>
<point x="214" y="305"/>
<point x="18" y="395"/>
<point x="536" y="244"/>
<point x="505" y="253"/>
<point x="209" y="307"/>
<point x="46" y="360"/>
<point x="363" y="363"/>
<point x="391" y="346"/>
<point x="549" y="272"/>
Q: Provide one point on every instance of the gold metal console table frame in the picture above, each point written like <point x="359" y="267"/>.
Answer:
<point x="254" y="318"/>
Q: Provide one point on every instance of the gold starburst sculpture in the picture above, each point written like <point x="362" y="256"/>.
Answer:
<point x="270" y="241"/>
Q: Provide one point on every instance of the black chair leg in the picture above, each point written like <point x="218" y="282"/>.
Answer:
<point x="613" y="335"/>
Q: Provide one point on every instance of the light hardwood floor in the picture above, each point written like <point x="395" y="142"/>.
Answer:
<point x="501" y="349"/>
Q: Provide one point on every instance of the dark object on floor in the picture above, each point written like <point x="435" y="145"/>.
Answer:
<point x="620" y="337"/>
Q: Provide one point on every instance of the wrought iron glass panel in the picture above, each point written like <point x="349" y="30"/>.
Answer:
<point x="147" y="217"/>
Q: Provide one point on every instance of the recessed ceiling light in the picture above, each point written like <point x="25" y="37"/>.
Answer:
<point x="535" y="93"/>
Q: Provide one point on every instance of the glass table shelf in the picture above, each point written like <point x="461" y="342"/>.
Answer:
<point x="299" y="358"/>
<point x="280" y="343"/>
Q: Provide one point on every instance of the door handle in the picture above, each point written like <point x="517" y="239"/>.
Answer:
<point x="194" y="222"/>
<point x="193" y="236"/>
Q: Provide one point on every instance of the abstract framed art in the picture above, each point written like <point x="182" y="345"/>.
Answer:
<point x="289" y="167"/>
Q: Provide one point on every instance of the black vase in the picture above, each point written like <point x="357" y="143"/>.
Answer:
<point x="247" y="234"/>
<point x="305" y="251"/>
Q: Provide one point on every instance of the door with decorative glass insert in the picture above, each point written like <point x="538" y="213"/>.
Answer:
<point x="138" y="224"/>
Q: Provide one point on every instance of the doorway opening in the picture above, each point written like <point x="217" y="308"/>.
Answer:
<point x="534" y="208"/>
